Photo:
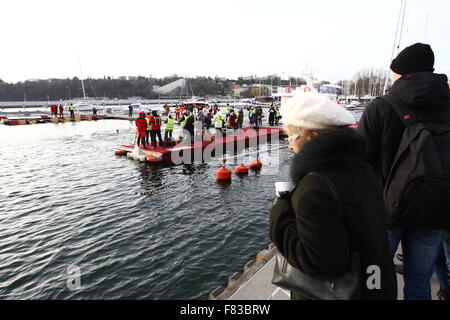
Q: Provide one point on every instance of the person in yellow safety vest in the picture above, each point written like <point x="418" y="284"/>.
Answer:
<point x="277" y="116"/>
<point x="228" y="108"/>
<point x="184" y="120"/>
<point x="218" y="121"/>
<point x="72" y="109"/>
<point x="169" y="128"/>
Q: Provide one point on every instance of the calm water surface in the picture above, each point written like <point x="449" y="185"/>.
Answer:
<point x="135" y="231"/>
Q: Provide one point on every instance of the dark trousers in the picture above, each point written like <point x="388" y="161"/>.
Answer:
<point x="442" y="266"/>
<point x="419" y="248"/>
<point x="154" y="134"/>
<point x="141" y="140"/>
<point x="168" y="134"/>
<point x="191" y="133"/>
<point x="72" y="114"/>
<point x="130" y="113"/>
<point x="149" y="134"/>
<point x="271" y="121"/>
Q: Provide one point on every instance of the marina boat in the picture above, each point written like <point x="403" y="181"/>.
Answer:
<point x="285" y="93"/>
<point x="86" y="107"/>
<point x="354" y="104"/>
<point x="150" y="107"/>
<point x="137" y="106"/>
<point x="82" y="106"/>
<point x="196" y="102"/>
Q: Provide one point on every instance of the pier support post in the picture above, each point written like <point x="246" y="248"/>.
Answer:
<point x="248" y="265"/>
<point x="215" y="293"/>
<point x="233" y="278"/>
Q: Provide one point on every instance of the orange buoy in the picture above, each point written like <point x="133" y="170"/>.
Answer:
<point x="223" y="174"/>
<point x="241" y="169"/>
<point x="153" y="159"/>
<point x="119" y="152"/>
<point x="255" y="164"/>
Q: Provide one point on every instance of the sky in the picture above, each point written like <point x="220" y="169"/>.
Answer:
<point x="96" y="38"/>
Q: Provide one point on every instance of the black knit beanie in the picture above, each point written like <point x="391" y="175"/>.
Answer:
<point x="415" y="58"/>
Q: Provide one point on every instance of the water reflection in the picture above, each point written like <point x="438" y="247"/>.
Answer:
<point x="224" y="185"/>
<point x="151" y="178"/>
<point x="190" y="169"/>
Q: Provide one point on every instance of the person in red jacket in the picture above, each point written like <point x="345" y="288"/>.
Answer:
<point x="53" y="110"/>
<point x="61" y="110"/>
<point x="141" y="125"/>
<point x="156" y="129"/>
<point x="232" y="119"/>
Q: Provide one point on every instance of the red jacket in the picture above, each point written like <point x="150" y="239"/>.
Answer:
<point x="156" y="123"/>
<point x="141" y="125"/>
<point x="232" y="120"/>
<point x="148" y="118"/>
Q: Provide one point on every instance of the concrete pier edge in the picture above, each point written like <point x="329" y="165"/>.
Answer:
<point x="238" y="279"/>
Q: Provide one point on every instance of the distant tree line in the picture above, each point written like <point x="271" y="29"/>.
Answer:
<point x="365" y="82"/>
<point x="68" y="89"/>
<point x="109" y="88"/>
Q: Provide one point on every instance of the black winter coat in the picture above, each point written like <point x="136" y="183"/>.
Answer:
<point x="314" y="233"/>
<point x="189" y="125"/>
<point x="425" y="93"/>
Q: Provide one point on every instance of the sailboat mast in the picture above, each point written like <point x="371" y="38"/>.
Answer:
<point x="401" y="28"/>
<point x="402" y="9"/>
<point x="81" y="75"/>
<point x="191" y="88"/>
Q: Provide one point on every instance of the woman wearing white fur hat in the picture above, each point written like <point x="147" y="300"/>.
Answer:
<point x="337" y="207"/>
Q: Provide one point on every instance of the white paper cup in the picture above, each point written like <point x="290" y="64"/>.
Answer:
<point x="283" y="188"/>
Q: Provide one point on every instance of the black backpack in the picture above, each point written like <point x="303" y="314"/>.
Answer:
<point x="417" y="190"/>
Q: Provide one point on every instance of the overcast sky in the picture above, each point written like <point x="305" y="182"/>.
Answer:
<point x="334" y="39"/>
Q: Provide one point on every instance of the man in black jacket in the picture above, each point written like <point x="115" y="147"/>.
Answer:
<point x="427" y="94"/>
<point x="189" y="126"/>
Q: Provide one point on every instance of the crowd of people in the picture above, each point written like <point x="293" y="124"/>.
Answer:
<point x="200" y="117"/>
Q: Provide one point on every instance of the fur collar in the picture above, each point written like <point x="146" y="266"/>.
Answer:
<point x="333" y="148"/>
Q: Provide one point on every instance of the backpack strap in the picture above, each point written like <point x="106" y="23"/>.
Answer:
<point x="330" y="184"/>
<point x="406" y="115"/>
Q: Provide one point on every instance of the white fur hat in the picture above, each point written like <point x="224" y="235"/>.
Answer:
<point x="313" y="111"/>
